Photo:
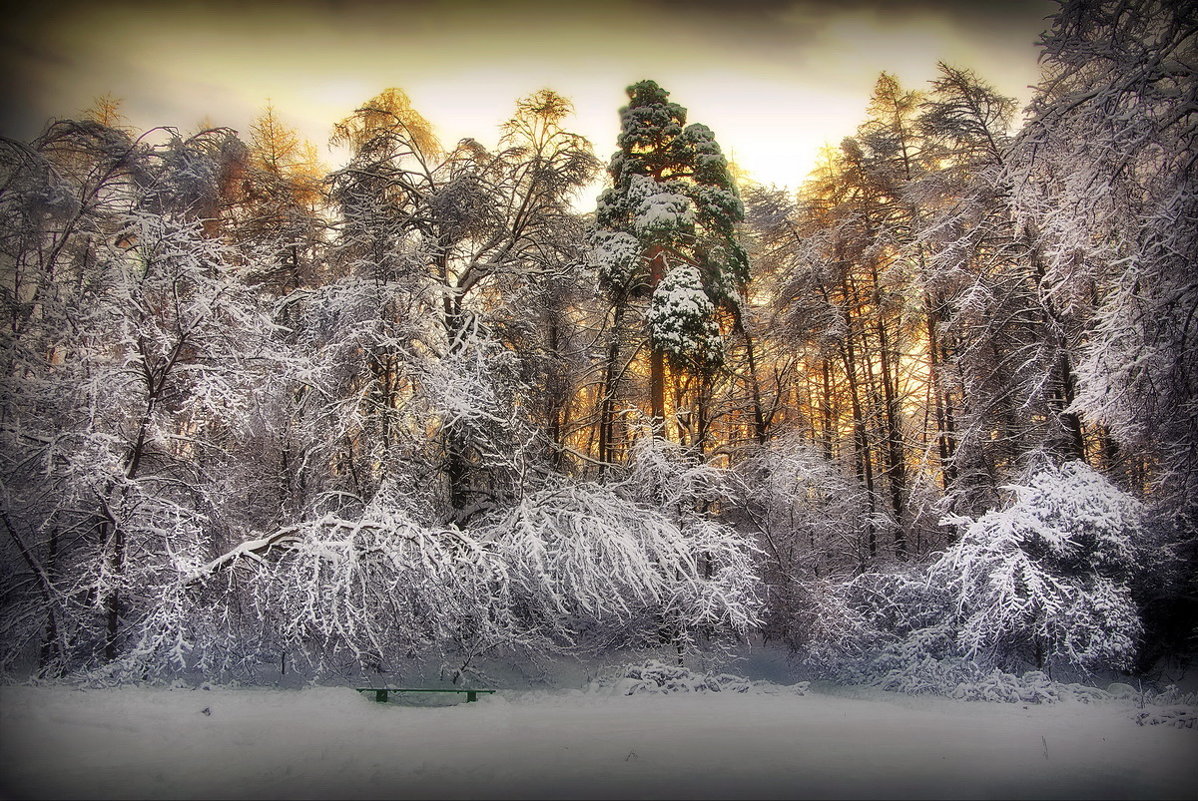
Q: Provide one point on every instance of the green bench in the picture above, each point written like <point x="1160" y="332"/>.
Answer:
<point x="381" y="693"/>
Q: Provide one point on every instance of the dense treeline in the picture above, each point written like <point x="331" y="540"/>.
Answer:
<point x="934" y="414"/>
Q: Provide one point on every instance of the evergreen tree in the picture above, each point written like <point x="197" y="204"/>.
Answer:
<point x="667" y="232"/>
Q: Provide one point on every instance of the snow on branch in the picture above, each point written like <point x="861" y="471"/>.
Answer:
<point x="572" y="567"/>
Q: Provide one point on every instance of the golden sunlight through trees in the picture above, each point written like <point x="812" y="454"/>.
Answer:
<point x="389" y="110"/>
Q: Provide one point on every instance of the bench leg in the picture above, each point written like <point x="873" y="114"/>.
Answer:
<point x="471" y="695"/>
<point x="380" y="696"/>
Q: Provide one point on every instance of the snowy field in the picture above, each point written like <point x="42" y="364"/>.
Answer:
<point x="335" y="743"/>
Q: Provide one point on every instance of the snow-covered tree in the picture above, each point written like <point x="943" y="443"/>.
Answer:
<point x="667" y="232"/>
<point x="1104" y="181"/>
<point x="460" y="235"/>
<point x="276" y="218"/>
<point x="132" y="377"/>
<point x="976" y="299"/>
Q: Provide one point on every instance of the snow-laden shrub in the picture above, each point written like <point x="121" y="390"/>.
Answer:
<point x="1046" y="580"/>
<point x="964" y="679"/>
<point x="924" y="675"/>
<point x="1181" y="717"/>
<point x="806" y="514"/>
<point x="664" y="475"/>
<point x="1044" y="583"/>
<point x="584" y="559"/>
<point x="1167" y="707"/>
<point x="570" y="568"/>
<point x="654" y="677"/>
<point x="1032" y="687"/>
<point x="332" y="594"/>
<point x="1170" y="695"/>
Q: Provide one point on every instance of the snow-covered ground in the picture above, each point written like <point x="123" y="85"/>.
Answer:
<point x="337" y="743"/>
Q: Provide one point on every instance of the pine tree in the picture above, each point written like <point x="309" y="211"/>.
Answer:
<point x="667" y="232"/>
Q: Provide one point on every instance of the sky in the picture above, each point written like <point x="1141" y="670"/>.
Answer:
<point x="774" y="79"/>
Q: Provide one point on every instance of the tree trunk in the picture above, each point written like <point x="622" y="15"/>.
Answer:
<point x="1075" y="443"/>
<point x="51" y="641"/>
<point x="554" y="401"/>
<point x="941" y="403"/>
<point x="657" y="391"/>
<point x="896" y="467"/>
<point x="860" y="435"/>
<point x="112" y="603"/>
<point x="657" y="360"/>
<point x="606" y="446"/>
<point x="828" y="423"/>
<point x="759" y="422"/>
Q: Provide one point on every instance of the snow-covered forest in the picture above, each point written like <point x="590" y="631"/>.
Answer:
<point x="931" y="422"/>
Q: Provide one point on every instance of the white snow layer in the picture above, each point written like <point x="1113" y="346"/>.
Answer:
<point x="337" y="743"/>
